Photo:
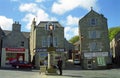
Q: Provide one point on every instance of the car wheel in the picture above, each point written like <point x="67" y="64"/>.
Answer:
<point x="17" y="67"/>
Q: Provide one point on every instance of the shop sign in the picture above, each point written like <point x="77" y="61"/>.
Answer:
<point x="15" y="49"/>
<point x="43" y="55"/>
<point x="101" y="61"/>
<point x="60" y="50"/>
<point x="50" y="49"/>
<point x="41" y="50"/>
<point x="96" y="54"/>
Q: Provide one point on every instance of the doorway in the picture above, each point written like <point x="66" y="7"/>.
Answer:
<point x="89" y="64"/>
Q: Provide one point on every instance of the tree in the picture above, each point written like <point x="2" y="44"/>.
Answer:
<point x="74" y="39"/>
<point x="113" y="31"/>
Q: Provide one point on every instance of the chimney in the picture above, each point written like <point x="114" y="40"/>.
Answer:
<point x="16" y="26"/>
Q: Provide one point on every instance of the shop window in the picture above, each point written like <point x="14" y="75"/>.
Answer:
<point x="10" y="58"/>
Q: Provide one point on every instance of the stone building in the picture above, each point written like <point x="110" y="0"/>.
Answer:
<point x="69" y="47"/>
<point x="94" y="42"/>
<point x="1" y="36"/>
<point x="115" y="48"/>
<point x="15" y="45"/>
<point x="76" y="53"/>
<point x="41" y="40"/>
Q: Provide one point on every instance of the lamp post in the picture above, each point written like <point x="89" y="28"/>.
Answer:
<point x="51" y="51"/>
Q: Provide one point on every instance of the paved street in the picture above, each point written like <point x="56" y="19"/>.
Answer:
<point x="72" y="73"/>
<point x="113" y="73"/>
<point x="14" y="73"/>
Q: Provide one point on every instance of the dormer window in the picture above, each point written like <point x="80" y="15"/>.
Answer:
<point x="50" y="26"/>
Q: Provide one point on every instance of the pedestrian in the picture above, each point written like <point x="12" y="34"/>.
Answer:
<point x="59" y="64"/>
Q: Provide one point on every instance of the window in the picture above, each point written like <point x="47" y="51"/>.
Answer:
<point x="50" y="26"/>
<point x="48" y="41"/>
<point x="95" y="46"/>
<point x="22" y="43"/>
<point x="44" y="42"/>
<point x="55" y="44"/>
<point x="93" y="22"/>
<point x="46" y="27"/>
<point x="94" y="34"/>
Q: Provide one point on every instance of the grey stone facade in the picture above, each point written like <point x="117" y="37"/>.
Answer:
<point x="15" y="45"/>
<point x="40" y="41"/>
<point x="94" y="42"/>
<point x="1" y="36"/>
<point x="30" y="46"/>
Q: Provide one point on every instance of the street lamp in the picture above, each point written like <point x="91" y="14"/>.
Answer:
<point x="50" y="50"/>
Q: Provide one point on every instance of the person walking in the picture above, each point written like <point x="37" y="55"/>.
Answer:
<point x="59" y="64"/>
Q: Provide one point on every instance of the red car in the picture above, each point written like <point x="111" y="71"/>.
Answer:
<point x="22" y="64"/>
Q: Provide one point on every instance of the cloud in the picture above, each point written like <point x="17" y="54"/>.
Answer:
<point x="33" y="11"/>
<point x="62" y="6"/>
<point x="71" y="26"/>
<point x="39" y="0"/>
<point x="6" y="23"/>
<point x="28" y="7"/>
<point x="28" y="18"/>
<point x="70" y="32"/>
<point x="72" y="20"/>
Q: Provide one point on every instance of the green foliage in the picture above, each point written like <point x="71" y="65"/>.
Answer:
<point x="113" y="31"/>
<point x="74" y="39"/>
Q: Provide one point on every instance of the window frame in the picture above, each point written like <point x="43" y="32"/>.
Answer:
<point x="93" y="22"/>
<point x="93" y="34"/>
<point x="95" y="46"/>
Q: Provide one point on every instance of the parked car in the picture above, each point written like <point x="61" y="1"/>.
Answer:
<point x="76" y="61"/>
<point x="22" y="64"/>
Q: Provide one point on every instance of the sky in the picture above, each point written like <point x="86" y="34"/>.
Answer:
<point x="66" y="12"/>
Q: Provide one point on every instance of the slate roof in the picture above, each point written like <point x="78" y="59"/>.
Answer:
<point x="44" y="23"/>
<point x="93" y="12"/>
<point x="26" y="34"/>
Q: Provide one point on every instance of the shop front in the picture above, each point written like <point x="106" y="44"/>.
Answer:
<point x="42" y="56"/>
<point x="10" y="55"/>
<point x="95" y="60"/>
